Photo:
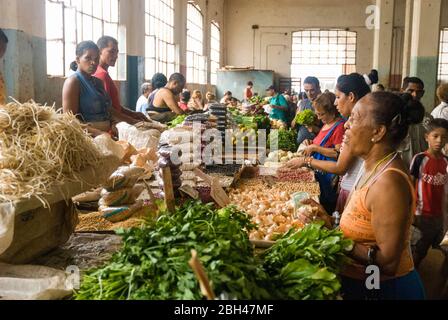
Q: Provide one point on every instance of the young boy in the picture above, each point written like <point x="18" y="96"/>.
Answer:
<point x="430" y="172"/>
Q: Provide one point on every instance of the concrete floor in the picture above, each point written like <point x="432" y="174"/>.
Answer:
<point x="436" y="284"/>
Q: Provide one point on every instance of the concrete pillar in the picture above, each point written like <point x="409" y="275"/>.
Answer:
<point x="407" y="38"/>
<point x="425" y="46"/>
<point x="383" y="41"/>
<point x="180" y="34"/>
<point x="132" y="14"/>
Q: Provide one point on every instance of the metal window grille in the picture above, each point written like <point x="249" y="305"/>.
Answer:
<point x="160" y="50"/>
<point x="68" y="22"/>
<point x="443" y="56"/>
<point x="215" y="52"/>
<point x="196" y="61"/>
<point x="323" y="53"/>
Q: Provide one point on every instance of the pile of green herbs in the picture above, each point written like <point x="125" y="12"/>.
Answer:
<point x="305" y="118"/>
<point x="153" y="264"/>
<point x="303" y="265"/>
<point x="286" y="140"/>
<point x="177" y="121"/>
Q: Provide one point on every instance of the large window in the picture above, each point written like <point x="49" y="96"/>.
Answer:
<point x="68" y="22"/>
<point x="443" y="57"/>
<point x="215" y="52"/>
<point x="160" y="50"/>
<point x="196" y="61"/>
<point x="325" y="54"/>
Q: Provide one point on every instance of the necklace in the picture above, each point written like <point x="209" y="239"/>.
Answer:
<point x="372" y="173"/>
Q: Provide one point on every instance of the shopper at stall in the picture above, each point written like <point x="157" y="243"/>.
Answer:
<point x="108" y="58"/>
<point x="196" y="102"/>
<point x="163" y="105"/>
<point x="324" y="146"/>
<point x="158" y="82"/>
<point x="210" y="99"/>
<point x="381" y="230"/>
<point x="414" y="86"/>
<point x="84" y="95"/>
<point x="441" y="111"/>
<point x="142" y="102"/>
<point x="235" y="103"/>
<point x="184" y="99"/>
<point x="3" y="47"/>
<point x="415" y="142"/>
<point x="248" y="92"/>
<point x="226" y="98"/>
<point x="312" y="89"/>
<point x="429" y="171"/>
<point x="349" y="90"/>
<point x="279" y="105"/>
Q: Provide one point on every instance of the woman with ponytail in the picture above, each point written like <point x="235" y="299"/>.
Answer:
<point x="83" y="94"/>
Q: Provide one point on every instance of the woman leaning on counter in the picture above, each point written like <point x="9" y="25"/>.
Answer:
<point x="379" y="222"/>
<point x="84" y="95"/>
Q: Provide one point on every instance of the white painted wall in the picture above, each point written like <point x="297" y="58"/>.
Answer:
<point x="24" y="15"/>
<point x="269" y="47"/>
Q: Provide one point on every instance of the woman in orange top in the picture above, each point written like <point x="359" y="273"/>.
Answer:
<point x="379" y="222"/>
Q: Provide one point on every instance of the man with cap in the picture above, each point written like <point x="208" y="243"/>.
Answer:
<point x="279" y="105"/>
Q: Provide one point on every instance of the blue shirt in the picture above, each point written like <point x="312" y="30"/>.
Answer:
<point x="276" y="114"/>
<point x="94" y="102"/>
<point x="142" y="104"/>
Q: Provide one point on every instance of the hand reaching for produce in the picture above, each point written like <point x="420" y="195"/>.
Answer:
<point x="310" y="150"/>
<point x="295" y="164"/>
<point x="311" y="211"/>
<point x="308" y="142"/>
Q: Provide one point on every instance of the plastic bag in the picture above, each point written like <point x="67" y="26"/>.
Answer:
<point x="109" y="147"/>
<point x="124" y="177"/>
<point x="89" y="196"/>
<point x="34" y="283"/>
<point x="116" y="198"/>
<point x="136" y="137"/>
<point x="118" y="214"/>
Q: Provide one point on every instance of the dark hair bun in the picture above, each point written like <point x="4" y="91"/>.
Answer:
<point x="74" y="66"/>
<point x="373" y="76"/>
<point x="414" y="112"/>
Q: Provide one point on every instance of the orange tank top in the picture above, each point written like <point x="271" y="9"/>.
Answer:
<point x="356" y="224"/>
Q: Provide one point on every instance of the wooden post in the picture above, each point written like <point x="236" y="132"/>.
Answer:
<point x="168" y="189"/>
<point x="217" y="192"/>
<point x="199" y="271"/>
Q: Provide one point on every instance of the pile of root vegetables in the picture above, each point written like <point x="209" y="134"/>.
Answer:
<point x="39" y="148"/>
<point x="270" y="206"/>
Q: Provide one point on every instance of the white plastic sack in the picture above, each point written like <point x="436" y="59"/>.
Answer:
<point x="137" y="138"/>
<point x="109" y="147"/>
<point x="7" y="218"/>
<point x="35" y="283"/>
